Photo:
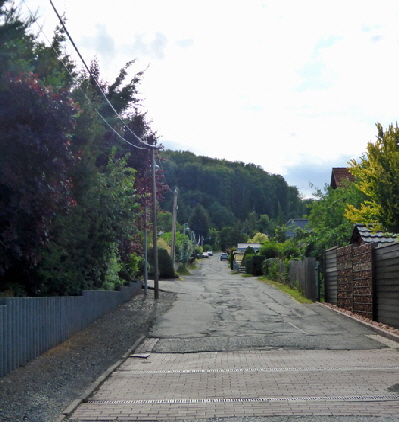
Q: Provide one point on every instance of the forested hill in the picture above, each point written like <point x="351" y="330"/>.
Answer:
<point x="229" y="191"/>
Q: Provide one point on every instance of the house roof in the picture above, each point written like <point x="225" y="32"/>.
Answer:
<point x="339" y="175"/>
<point x="294" y="223"/>
<point x="362" y="234"/>
<point x="299" y="222"/>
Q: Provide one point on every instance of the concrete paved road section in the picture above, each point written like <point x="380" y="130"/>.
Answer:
<point x="234" y="347"/>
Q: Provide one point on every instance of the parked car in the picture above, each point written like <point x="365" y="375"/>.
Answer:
<point x="210" y="253"/>
<point x="224" y="256"/>
<point x="205" y="255"/>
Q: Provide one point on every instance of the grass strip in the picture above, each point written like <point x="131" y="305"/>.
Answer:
<point x="296" y="294"/>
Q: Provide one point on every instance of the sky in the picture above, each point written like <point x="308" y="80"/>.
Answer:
<point x="294" y="86"/>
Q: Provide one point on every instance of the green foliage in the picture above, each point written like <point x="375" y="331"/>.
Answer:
<point x="164" y="221"/>
<point x="88" y="242"/>
<point x="249" y="251"/>
<point x="183" y="246"/>
<point x="230" y="236"/>
<point x="259" y="238"/>
<point x="265" y="225"/>
<point x="130" y="267"/>
<point x="377" y="176"/>
<point x="327" y="220"/>
<point x="269" y="249"/>
<point x="230" y="191"/>
<point x="276" y="269"/>
<point x="165" y="265"/>
<point x="288" y="290"/>
<point x="199" y="221"/>
<point x="114" y="267"/>
<point x="253" y="264"/>
<point x="289" y="250"/>
<point x="67" y="181"/>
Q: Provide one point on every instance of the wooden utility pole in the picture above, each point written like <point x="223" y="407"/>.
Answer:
<point x="154" y="225"/>
<point x="174" y="212"/>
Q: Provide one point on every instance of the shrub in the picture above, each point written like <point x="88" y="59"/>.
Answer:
<point x="270" y="250"/>
<point x="276" y="269"/>
<point x="165" y="264"/>
<point x="290" y="251"/>
<point x="253" y="264"/>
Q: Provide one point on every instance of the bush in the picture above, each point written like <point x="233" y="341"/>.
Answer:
<point x="276" y="269"/>
<point x="165" y="264"/>
<point x="290" y="251"/>
<point x="253" y="264"/>
<point x="269" y="250"/>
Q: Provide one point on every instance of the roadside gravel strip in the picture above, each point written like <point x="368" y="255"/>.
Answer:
<point x="40" y="391"/>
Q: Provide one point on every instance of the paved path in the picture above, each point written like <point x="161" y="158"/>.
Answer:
<point x="235" y="347"/>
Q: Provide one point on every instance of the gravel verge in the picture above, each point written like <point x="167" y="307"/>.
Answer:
<point x="42" y="389"/>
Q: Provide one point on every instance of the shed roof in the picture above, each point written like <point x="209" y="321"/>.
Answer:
<point x="338" y="175"/>
<point x="362" y="234"/>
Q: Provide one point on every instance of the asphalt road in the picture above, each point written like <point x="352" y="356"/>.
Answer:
<point x="237" y="348"/>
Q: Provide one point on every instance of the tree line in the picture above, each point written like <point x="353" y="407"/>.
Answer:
<point x="218" y="194"/>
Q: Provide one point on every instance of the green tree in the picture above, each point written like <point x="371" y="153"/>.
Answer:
<point x="183" y="246"/>
<point x="377" y="176"/>
<point x="199" y="221"/>
<point x="90" y="241"/>
<point x="230" y="236"/>
<point x="259" y="238"/>
<point x="329" y="225"/>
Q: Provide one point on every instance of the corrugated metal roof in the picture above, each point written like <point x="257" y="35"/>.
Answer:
<point x="362" y="234"/>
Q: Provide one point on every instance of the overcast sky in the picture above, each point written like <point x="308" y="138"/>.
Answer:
<point x="294" y="86"/>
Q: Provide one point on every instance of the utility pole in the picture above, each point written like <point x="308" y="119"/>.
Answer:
<point x="174" y="212"/>
<point x="145" y="250"/>
<point x="154" y="224"/>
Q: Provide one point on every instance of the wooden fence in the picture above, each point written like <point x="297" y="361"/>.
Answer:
<point x="305" y="273"/>
<point x="302" y="275"/>
<point x="364" y="280"/>
<point x="29" y="326"/>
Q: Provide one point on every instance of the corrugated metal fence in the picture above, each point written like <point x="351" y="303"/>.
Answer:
<point x="331" y="276"/>
<point x="29" y="326"/>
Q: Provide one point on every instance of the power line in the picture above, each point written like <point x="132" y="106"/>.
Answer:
<point x="95" y="79"/>
<point x="85" y="95"/>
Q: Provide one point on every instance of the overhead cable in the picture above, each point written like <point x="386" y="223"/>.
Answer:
<point x="85" y="95"/>
<point x="95" y="79"/>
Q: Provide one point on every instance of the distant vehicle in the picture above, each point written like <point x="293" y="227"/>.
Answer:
<point x="205" y="255"/>
<point x="224" y="256"/>
<point x="210" y="253"/>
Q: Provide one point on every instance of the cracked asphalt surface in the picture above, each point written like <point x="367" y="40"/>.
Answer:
<point x="329" y="367"/>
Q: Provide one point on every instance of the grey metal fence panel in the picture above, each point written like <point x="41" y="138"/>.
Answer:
<point x="331" y="276"/>
<point x="31" y="326"/>
<point x="3" y="334"/>
<point x="387" y="284"/>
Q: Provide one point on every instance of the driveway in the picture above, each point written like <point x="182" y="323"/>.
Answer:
<point x="235" y="347"/>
